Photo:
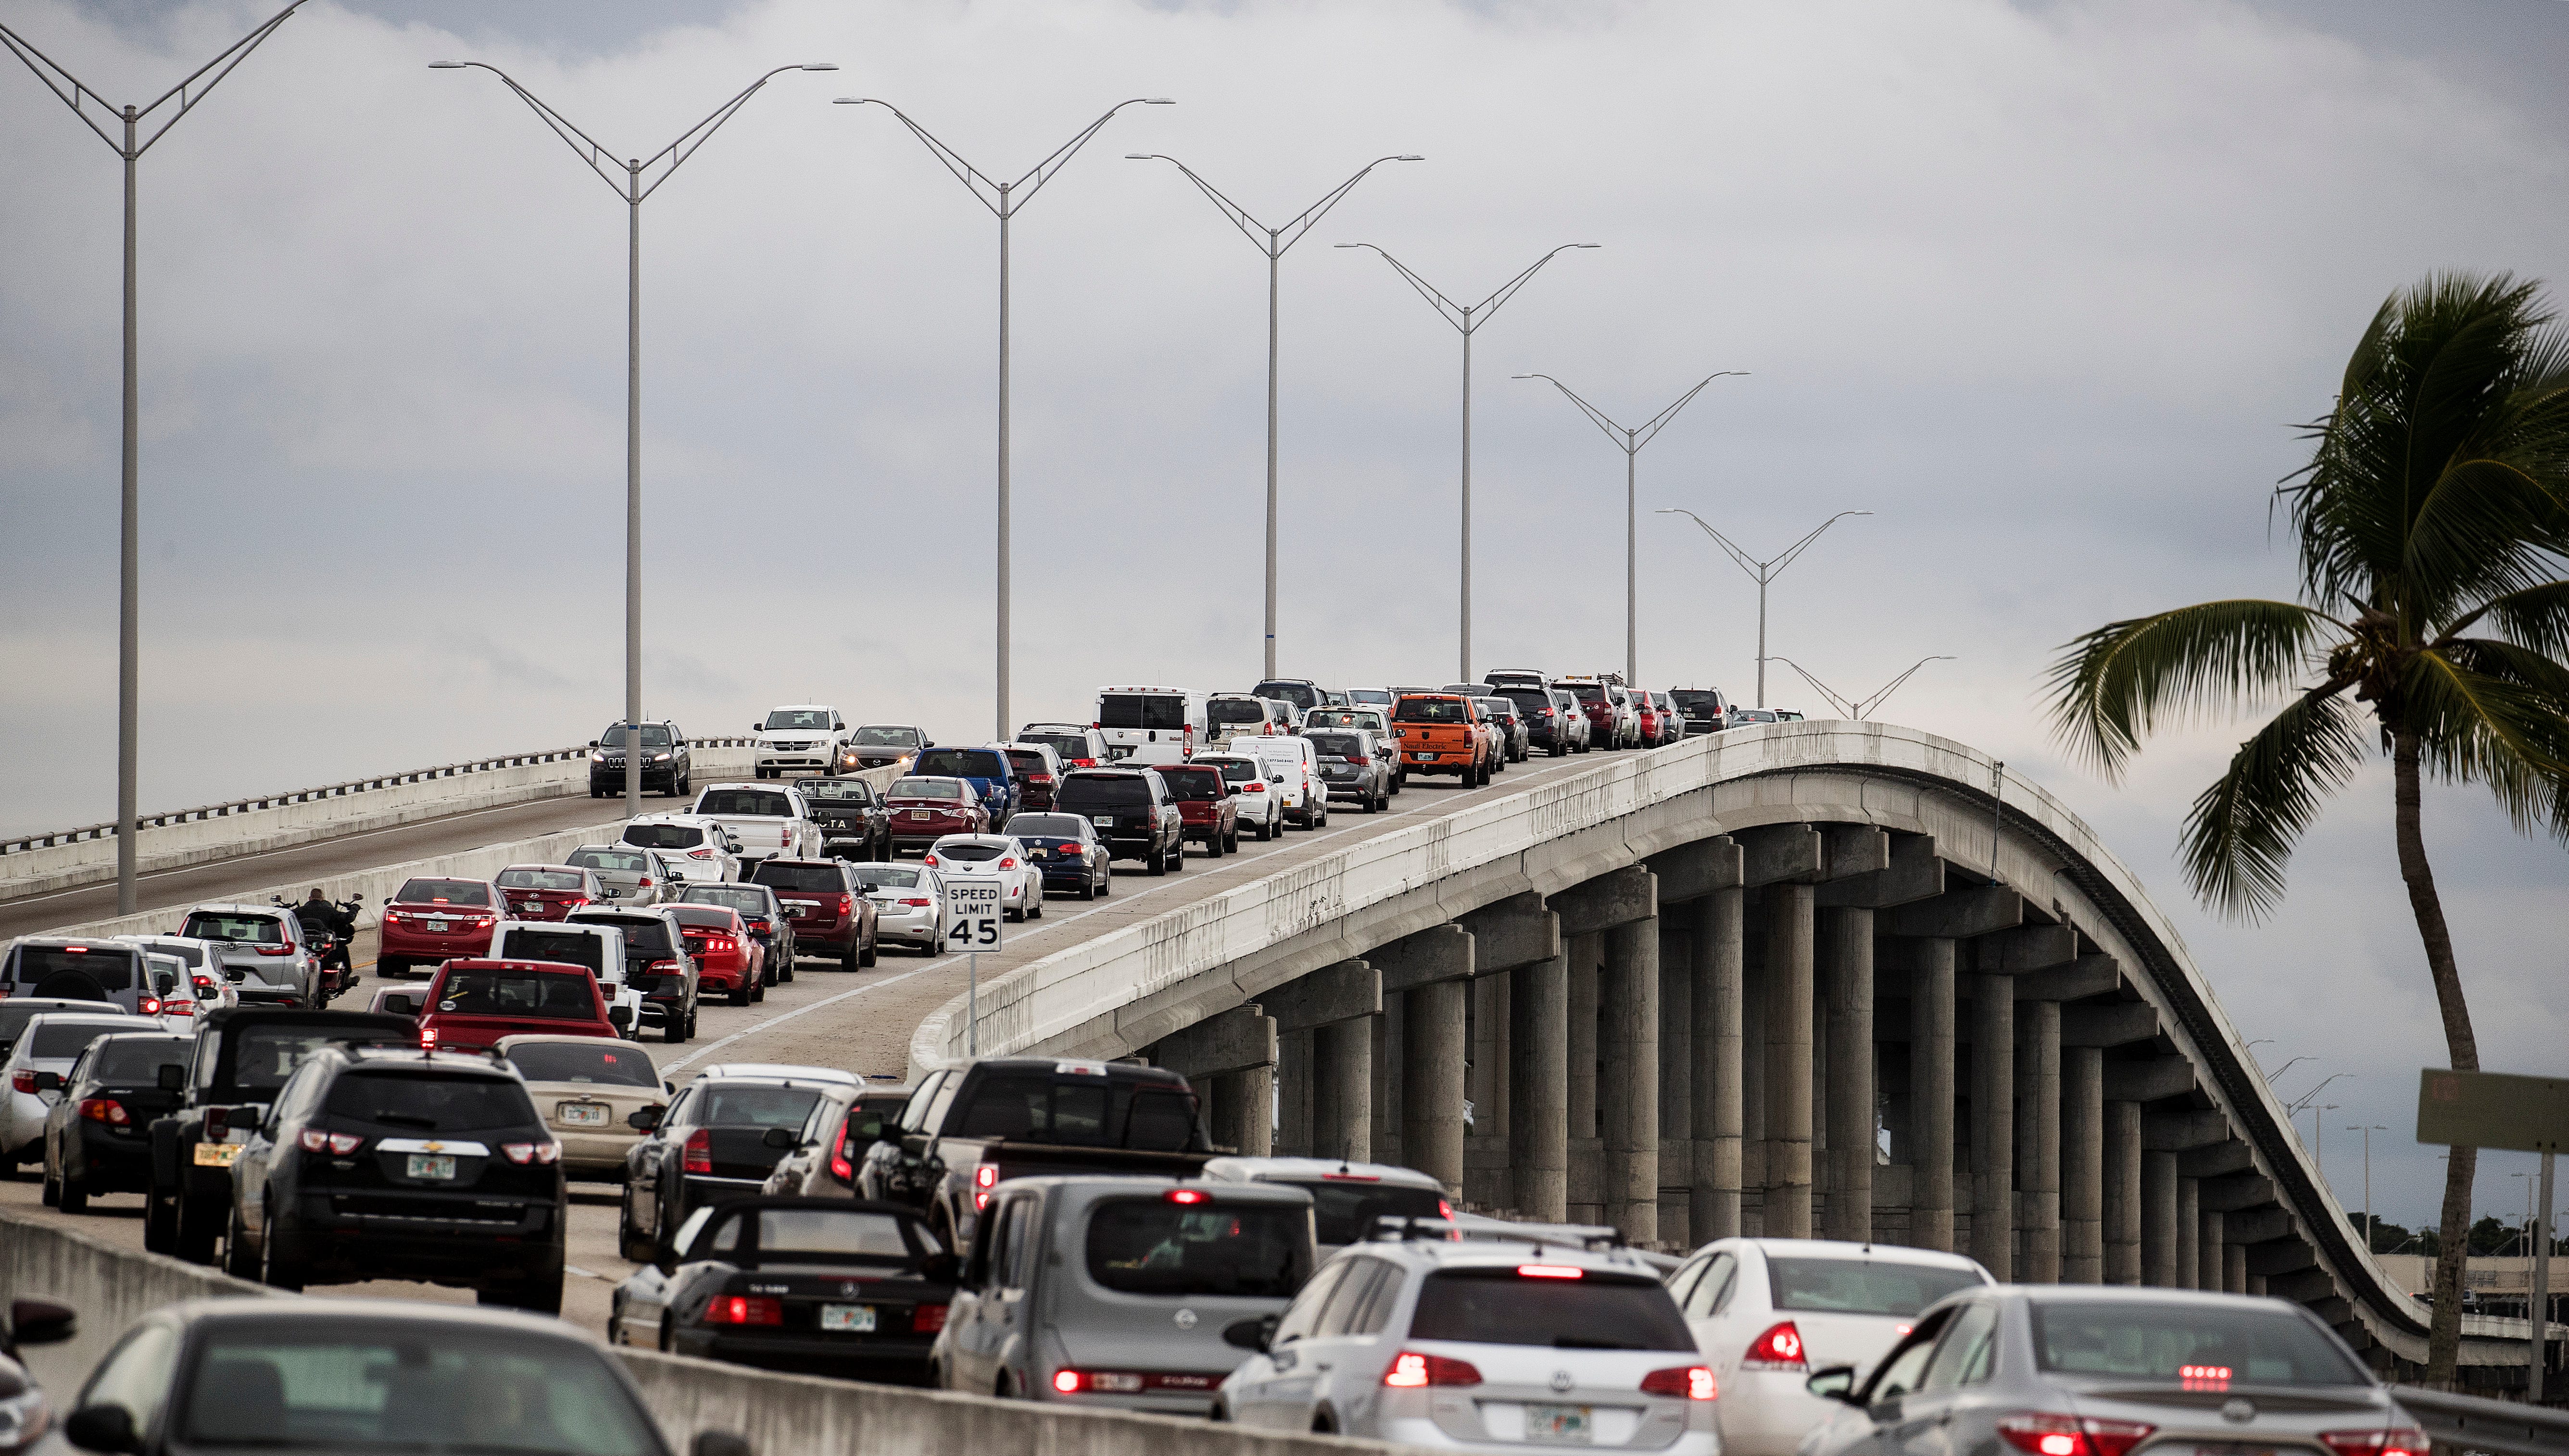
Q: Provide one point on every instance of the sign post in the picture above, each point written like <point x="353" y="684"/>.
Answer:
<point x="2518" y="1114"/>
<point x="972" y="907"/>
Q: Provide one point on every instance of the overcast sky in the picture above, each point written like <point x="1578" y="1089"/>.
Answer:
<point x="2046" y="287"/>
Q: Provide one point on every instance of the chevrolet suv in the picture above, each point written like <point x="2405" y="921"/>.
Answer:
<point x="1132" y="812"/>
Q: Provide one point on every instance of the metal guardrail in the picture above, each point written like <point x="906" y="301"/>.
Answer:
<point x="2473" y="1425"/>
<point x="21" y="844"/>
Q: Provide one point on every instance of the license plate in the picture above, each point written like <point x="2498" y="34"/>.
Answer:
<point x="431" y="1165"/>
<point x="437" y="924"/>
<point x="580" y="1113"/>
<point x="847" y="1319"/>
<point x="216" y="1154"/>
<point x="1559" y="1425"/>
<point x="1107" y="820"/>
<point x="530" y="905"/>
<point x="919" y="814"/>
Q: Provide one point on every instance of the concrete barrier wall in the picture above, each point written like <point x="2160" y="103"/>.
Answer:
<point x="109" y="1286"/>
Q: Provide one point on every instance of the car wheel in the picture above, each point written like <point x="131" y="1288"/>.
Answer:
<point x="1231" y="840"/>
<point x="195" y="1233"/>
<point x="1106" y="886"/>
<point x="848" y="958"/>
<point x="51" y="1194"/>
<point x="159" y="1223"/>
<point x="866" y="956"/>
<point x="741" y="997"/>
<point x="237" y="1256"/>
<point x="633" y="1247"/>
<point x="668" y="1332"/>
<point x="673" y="1029"/>
<point x="275" y="1270"/>
<point x="70" y="1197"/>
<point x="1376" y="803"/>
<point x="1034" y="912"/>
<point x="1158" y="863"/>
<point x="1087" y="889"/>
<point x="758" y="989"/>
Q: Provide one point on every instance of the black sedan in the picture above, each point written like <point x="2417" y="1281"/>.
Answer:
<point x="765" y="913"/>
<point x="1066" y="849"/>
<point x="712" y="1145"/>
<point x="98" y="1137"/>
<point x="815" y="1286"/>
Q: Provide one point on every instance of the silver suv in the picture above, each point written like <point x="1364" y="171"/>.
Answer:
<point x="261" y="950"/>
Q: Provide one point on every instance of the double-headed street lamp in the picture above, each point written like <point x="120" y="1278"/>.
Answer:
<point x="1629" y="439"/>
<point x="1003" y="199"/>
<point x="1272" y="241"/>
<point x="633" y="188"/>
<point x="1855" y="708"/>
<point x="1764" y="572"/>
<point x="1467" y="319"/>
<point x="128" y="630"/>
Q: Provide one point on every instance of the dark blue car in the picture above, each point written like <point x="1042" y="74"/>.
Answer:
<point x="990" y="771"/>
<point x="1065" y="847"/>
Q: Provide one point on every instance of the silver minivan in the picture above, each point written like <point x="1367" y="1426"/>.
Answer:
<point x="1116" y="1292"/>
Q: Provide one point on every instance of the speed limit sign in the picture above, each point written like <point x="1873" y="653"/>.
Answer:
<point x="972" y="910"/>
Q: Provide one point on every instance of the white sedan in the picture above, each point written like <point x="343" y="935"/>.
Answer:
<point x="1767" y="1312"/>
<point x="993" y="856"/>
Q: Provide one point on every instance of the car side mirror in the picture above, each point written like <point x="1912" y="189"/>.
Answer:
<point x="932" y="743"/>
<point x="173" y="1077"/>
<point x="1835" y="1383"/>
<point x="645" y="1118"/>
<point x="619" y="1017"/>
<point x="41" y="1321"/>
<point x="591" y="743"/>
<point x="782" y="1139"/>
<point x="941" y="1268"/>
<point x="721" y="1443"/>
<point x="402" y="1003"/>
<point x="107" y="1428"/>
<point x="48" y="1081"/>
<point x="1251" y="1334"/>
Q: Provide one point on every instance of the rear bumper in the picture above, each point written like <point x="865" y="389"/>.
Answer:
<point x="110" y="1161"/>
<point x="487" y="1245"/>
<point x="415" y="944"/>
<point x="902" y="1360"/>
<point x="810" y="937"/>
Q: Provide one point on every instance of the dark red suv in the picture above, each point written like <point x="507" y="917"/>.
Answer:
<point x="1037" y="769"/>
<point x="825" y="905"/>
<point x="1206" y="804"/>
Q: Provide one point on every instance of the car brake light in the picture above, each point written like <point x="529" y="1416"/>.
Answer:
<point x="931" y="858"/>
<point x="927" y="1319"/>
<point x="275" y="949"/>
<point x="916" y="904"/>
<point x="841" y="1169"/>
<point x="203" y="982"/>
<point x="1187" y="1196"/>
<point x="1550" y="1271"/>
<point x="23" y="1082"/>
<point x="106" y="1110"/>
<point x="667" y="966"/>
<point x="1253" y="787"/>
<point x="645" y="883"/>
<point x="536" y="1152"/>
<point x="2045" y="1434"/>
<point x="1410" y="1369"/>
<point x="2398" y="1441"/>
<point x="985" y="1176"/>
<point x="847" y="905"/>
<point x="1008" y="863"/>
<point x="700" y="854"/>
<point x="314" y="1140"/>
<point x="1779" y="1349"/>
<point x="1694" y="1382"/>
<point x="700" y="1151"/>
<point x="151" y="1005"/>
<point x="1066" y="1381"/>
<point x="744" y="1310"/>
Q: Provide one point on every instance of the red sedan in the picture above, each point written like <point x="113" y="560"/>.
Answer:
<point x="729" y="961"/>
<point x="547" y="892"/>
<point x="925" y="810"/>
<point x="432" y="920"/>
<point x="473" y="1002"/>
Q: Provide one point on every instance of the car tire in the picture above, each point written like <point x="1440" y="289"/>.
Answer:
<point x="275" y="1270"/>
<point x="871" y="951"/>
<point x="1265" y="832"/>
<point x="1087" y="889"/>
<point x="391" y="967"/>
<point x="1157" y="863"/>
<point x="159" y="1223"/>
<point x="1106" y="886"/>
<point x="237" y="1258"/>
<point x="741" y="997"/>
<point x="632" y="1247"/>
<point x="670" y="1030"/>
<point x="758" y="989"/>
<point x="847" y="957"/>
<point x="195" y="1237"/>
<point x="668" y="1332"/>
<point x="50" y="1193"/>
<point x="1035" y="912"/>
<point x="70" y="1197"/>
<point x="1231" y="841"/>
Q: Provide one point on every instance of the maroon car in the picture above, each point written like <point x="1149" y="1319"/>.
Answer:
<point x="546" y="891"/>
<point x="1038" y="768"/>
<point x="430" y="922"/>
<point x="1206" y="804"/>
<point x="925" y="810"/>
<point x="825" y="904"/>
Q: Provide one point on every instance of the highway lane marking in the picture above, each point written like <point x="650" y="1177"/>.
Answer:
<point x="775" y="1021"/>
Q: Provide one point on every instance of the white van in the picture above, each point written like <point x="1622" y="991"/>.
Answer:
<point x="1152" y="725"/>
<point x="1296" y="770"/>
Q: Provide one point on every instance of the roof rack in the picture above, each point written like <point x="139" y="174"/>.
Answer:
<point x="1399" y="1229"/>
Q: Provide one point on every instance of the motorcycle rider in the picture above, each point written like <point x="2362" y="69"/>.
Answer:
<point x="322" y="916"/>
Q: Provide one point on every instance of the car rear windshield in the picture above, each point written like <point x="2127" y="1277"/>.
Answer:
<point x="597" y="1061"/>
<point x="664" y="836"/>
<point x="885" y="877"/>
<point x="654" y="735"/>
<point x="63" y="1040"/>
<point x="835" y="790"/>
<point x="1191" y="786"/>
<point x="565" y="948"/>
<point x="1862" y="1286"/>
<point x="540" y="880"/>
<point x="1336" y="745"/>
<point x="1697" y="700"/>
<point x="831" y="1234"/>
<point x="1497" y="707"/>
<point x="925" y="789"/>
<point x="809" y="879"/>
<point x="643" y="934"/>
<point x="1595" y="1311"/>
<point x="264" y="1056"/>
<point x="1083" y="792"/>
<point x="2190" y="1343"/>
<point x="802" y="718"/>
<point x="1032" y="1108"/>
<point x="1343" y="1209"/>
<point x="443" y="891"/>
<point x="747" y="902"/>
<point x="515" y="991"/>
<point x="1046" y="826"/>
<point x="1373" y="695"/>
<point x="441" y="1102"/>
<point x="14" y="1015"/>
<point x="238" y="929"/>
<point x="1431" y="710"/>
<point x="751" y="802"/>
<point x="613" y="861"/>
<point x="139" y="1059"/>
<point x="1142" y="710"/>
<point x="752" y="1104"/>
<point x="963" y="763"/>
<point x="1028" y="761"/>
<point x="1149" y="1246"/>
<point x="1586" y="692"/>
<point x="967" y="851"/>
<point x="1064" y="744"/>
<point x="1234" y="710"/>
<point x="1234" y="771"/>
<point x="1528" y="700"/>
<point x="111" y="966"/>
<point x="1299" y="695"/>
<point x="704" y="917"/>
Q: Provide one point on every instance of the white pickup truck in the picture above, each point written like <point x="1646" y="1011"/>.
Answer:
<point x="764" y="819"/>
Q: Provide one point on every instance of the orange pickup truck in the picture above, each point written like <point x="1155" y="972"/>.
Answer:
<point x="1440" y="733"/>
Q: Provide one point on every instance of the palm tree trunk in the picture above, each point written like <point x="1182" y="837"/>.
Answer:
<point x="2445" y="1333"/>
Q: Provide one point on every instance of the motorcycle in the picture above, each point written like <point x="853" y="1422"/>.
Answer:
<point x="329" y="942"/>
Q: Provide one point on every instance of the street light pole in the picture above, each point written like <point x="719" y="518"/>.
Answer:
<point x="2367" y="1129"/>
<point x="1272" y="242"/>
<point x="129" y="629"/>
<point x="1764" y="572"/>
<point x="630" y="187"/>
<point x="1003" y="199"/>
<point x="1467" y="320"/>
<point x="1633" y="438"/>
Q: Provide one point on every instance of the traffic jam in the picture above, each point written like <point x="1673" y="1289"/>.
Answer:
<point x="1031" y="1228"/>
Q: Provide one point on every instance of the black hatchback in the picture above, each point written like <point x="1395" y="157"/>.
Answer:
<point x="818" y="1286"/>
<point x="382" y="1163"/>
<point x="97" y="1138"/>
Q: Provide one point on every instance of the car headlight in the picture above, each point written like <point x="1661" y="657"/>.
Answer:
<point x="597" y="755"/>
<point x="659" y="758"/>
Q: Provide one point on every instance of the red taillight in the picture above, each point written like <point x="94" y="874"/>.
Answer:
<point x="704" y="854"/>
<point x="484" y="922"/>
<point x="1779" y="1349"/>
<point x="986" y="1175"/>
<point x="1550" y="1271"/>
<point x="931" y="858"/>
<point x="1410" y="1369"/>
<point x="927" y="1319"/>
<point x="1039" y="778"/>
<point x="314" y="1140"/>
<point x="744" y="1310"/>
<point x="847" y="905"/>
<point x="1007" y="863"/>
<point x="916" y="904"/>
<point x="700" y="1151"/>
<point x="2041" y="1433"/>
<point x="203" y="982"/>
<point x="663" y="965"/>
<point x="844" y="1171"/>
<point x="1692" y="1382"/>
<point x="1253" y="787"/>
<point x="106" y="1110"/>
<point x="537" y="1153"/>
<point x="1066" y="1381"/>
<point x="275" y="949"/>
<point x="1187" y="1196"/>
<point x="151" y="1005"/>
<point x="2398" y="1441"/>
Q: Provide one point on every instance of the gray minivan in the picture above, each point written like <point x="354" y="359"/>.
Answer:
<point x="1114" y="1292"/>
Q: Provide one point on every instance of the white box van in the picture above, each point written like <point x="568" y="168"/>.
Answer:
<point x="1151" y="725"/>
<point x="1296" y="770"/>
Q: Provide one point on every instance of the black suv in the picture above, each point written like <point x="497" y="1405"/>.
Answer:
<point x="395" y="1163"/>
<point x="1304" y="694"/>
<point x="1706" y="710"/>
<point x="1132" y="812"/>
<point x="665" y="762"/>
<point x="713" y="1145"/>
<point x="854" y="823"/>
<point x="1546" y="724"/>
<point x="656" y="964"/>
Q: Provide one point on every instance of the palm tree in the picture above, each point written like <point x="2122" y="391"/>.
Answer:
<point x="2433" y="519"/>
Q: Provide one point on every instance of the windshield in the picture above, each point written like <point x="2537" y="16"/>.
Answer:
<point x="963" y="763"/>
<point x="431" y="1103"/>
<point x="1028" y="761"/>
<point x="807" y="720"/>
<point x="1586" y="692"/>
<point x="885" y="877"/>
<point x="238" y="929"/>
<point x="1374" y="695"/>
<point x="754" y="802"/>
<point x="1032" y="1108"/>
<point x="1344" y="1211"/>
<point x="835" y="790"/>
<point x="513" y="991"/>
<point x="705" y="918"/>
<point x="664" y="836"/>
<point x="1047" y="825"/>
<point x="1235" y="710"/>
<point x="443" y="891"/>
<point x="1233" y="770"/>
<point x="1064" y="744"/>
<point x="947" y="789"/>
<point x="1529" y="700"/>
<point x="1336" y="745"/>
<point x="654" y="735"/>
<point x="1595" y="1311"/>
<point x="542" y="880"/>
<point x="1142" y="710"/>
<point x="1149" y="1246"/>
<point x="876" y="736"/>
<point x="967" y="851"/>
<point x="111" y="966"/>
<point x="1861" y="1285"/>
<point x="14" y="1015"/>
<point x="610" y="860"/>
<point x="747" y="902"/>
<point x="1753" y="715"/>
<point x="809" y="878"/>
<point x="139" y="1059"/>
<point x="2195" y="1344"/>
<point x="563" y="947"/>
<point x="1083" y="792"/>
<point x="645" y="936"/>
<point x="1696" y="700"/>
<point x="1186" y="785"/>
<point x="749" y="1104"/>
<point x="264" y="1056"/>
<point x="1432" y="710"/>
<point x="594" y="1060"/>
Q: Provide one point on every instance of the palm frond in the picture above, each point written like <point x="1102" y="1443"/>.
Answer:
<point x="2121" y="680"/>
<point x="2242" y="829"/>
<point x="2491" y="713"/>
<point x="2536" y="618"/>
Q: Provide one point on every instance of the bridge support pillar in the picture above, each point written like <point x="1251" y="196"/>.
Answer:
<point x="1539" y="1085"/>
<point x="1846" y="936"/>
<point x="1994" y="1124"/>
<point x="1629" y="1096"/>
<point x="1431" y="1093"/>
<point x="2123" y="1200"/>
<point x="2234" y="1269"/>
<point x="1340" y="1106"/>
<point x="1244" y="1110"/>
<point x="1387" y="1042"/>
<point x="1587" y="1188"/>
<point x="2189" y="1233"/>
<point x="1720" y="973"/>
<point x="2209" y="1269"/>
<point x="1676" y="1078"/>
<point x="2039" y="1103"/>
<point x="2158" y="1219"/>
<point x="1930" y="1095"/>
<point x="1487" y="1174"/>
<point x="1788" y="1060"/>
<point x="1295" y="1093"/>
<point x="2083" y="1164"/>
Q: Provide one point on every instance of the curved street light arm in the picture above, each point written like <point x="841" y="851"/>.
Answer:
<point x="677" y="153"/>
<point x="1507" y="290"/>
<point x="1447" y="308"/>
<point x="1003" y="199"/>
<point x="1633" y="438"/>
<point x="2303" y="1102"/>
<point x="1656" y="423"/>
<point x="1797" y="548"/>
<point x="1747" y="563"/>
<point x="1044" y="170"/>
<point x="1249" y="228"/>
<point x="1847" y="708"/>
<point x="69" y="89"/>
<point x="582" y="146"/>
<point x="2286" y="1067"/>
<point x="966" y="173"/>
<point x="1310" y="217"/>
<point x="1874" y="703"/>
<point x="1621" y="437"/>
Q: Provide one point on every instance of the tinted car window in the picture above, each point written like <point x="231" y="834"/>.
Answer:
<point x="1861" y="1286"/>
<point x="963" y="763"/>
<point x="1344" y="1213"/>
<point x="1233" y="710"/>
<point x="448" y="892"/>
<point x="1431" y="710"/>
<point x="881" y="737"/>
<point x="746" y="901"/>
<point x="1056" y="825"/>
<point x="1586" y="692"/>
<point x="1062" y="743"/>
<point x="2187" y="1343"/>
<point x="836" y="791"/>
<point x="845" y="1233"/>
<point x="15" y="1017"/>
<point x="745" y="802"/>
<point x="562" y="1062"/>
<point x="436" y="1103"/>
<point x="111" y="968"/>
<point x="885" y="877"/>
<point x="1036" y="1109"/>
<point x="1694" y="700"/>
<point x="642" y="937"/>
<point x="1149" y="1246"/>
<point x="1528" y="700"/>
<point x="1082" y="792"/>
<point x="707" y="917"/>
<point x="1595" y="1312"/>
<point x="540" y="880"/>
<point x="564" y="948"/>
<point x="809" y="878"/>
<point x="615" y="859"/>
<point x="61" y="1041"/>
<point x="509" y="991"/>
<point x="806" y="720"/>
<point x="1235" y="771"/>
<point x="925" y="789"/>
<point x="1191" y="786"/>
<point x="240" y="928"/>
<point x="139" y="1058"/>
<point x="664" y="836"/>
<point x="1142" y="710"/>
<point x="654" y="735"/>
<point x="749" y="1104"/>
<point x="264" y="1056"/>
<point x="1336" y="745"/>
<point x="1300" y="695"/>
